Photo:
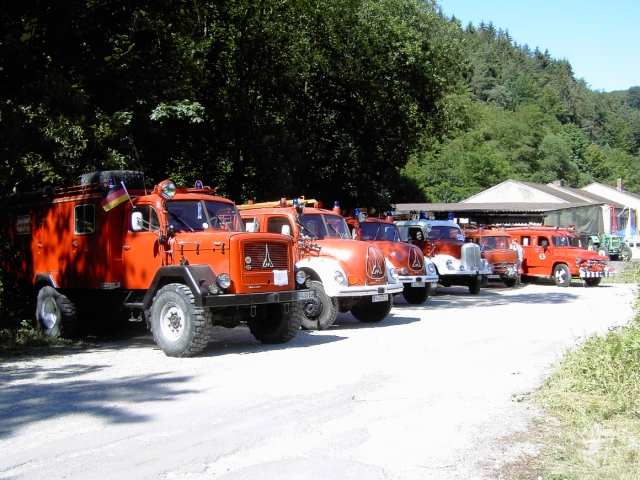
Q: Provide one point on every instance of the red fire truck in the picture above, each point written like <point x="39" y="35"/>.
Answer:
<point x="174" y="257"/>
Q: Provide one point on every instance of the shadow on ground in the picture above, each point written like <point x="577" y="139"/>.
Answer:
<point x="34" y="393"/>
<point x="459" y="297"/>
<point x="346" y="320"/>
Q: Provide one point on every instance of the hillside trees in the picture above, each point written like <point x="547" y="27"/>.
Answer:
<point x="261" y="99"/>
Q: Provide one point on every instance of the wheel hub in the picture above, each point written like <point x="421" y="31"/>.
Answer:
<point x="312" y="308"/>
<point x="172" y="321"/>
<point x="50" y="313"/>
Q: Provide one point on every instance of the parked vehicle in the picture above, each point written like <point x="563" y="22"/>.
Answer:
<point x="457" y="262"/>
<point x="552" y="252"/>
<point x="612" y="246"/>
<point x="344" y="274"/>
<point x="416" y="273"/>
<point x="633" y="244"/>
<point x="175" y="258"/>
<point x="495" y="247"/>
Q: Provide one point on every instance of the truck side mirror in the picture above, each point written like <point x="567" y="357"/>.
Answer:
<point x="137" y="222"/>
<point x="286" y="230"/>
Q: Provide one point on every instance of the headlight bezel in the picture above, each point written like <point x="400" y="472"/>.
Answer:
<point x="223" y="280"/>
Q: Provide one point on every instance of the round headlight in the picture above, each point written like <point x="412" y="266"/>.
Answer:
<point x="301" y="277"/>
<point x="339" y="277"/>
<point x="224" y="280"/>
<point x="403" y="271"/>
<point x="431" y="268"/>
<point x="167" y="189"/>
<point x="450" y="264"/>
<point x="578" y="261"/>
<point x="393" y="274"/>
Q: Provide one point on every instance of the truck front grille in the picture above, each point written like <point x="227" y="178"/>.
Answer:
<point x="265" y="256"/>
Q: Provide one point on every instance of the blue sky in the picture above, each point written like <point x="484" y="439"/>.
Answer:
<point x="600" y="39"/>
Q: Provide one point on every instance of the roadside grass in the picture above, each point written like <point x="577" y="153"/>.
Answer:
<point x="25" y="338"/>
<point x="630" y="273"/>
<point x="593" y="399"/>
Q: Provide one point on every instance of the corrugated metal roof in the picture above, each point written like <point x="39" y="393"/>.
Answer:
<point x="506" y="207"/>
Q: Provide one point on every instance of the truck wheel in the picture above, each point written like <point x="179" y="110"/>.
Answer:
<point x="55" y="313"/>
<point x="321" y="310"/>
<point x="275" y="324"/>
<point x="475" y="285"/>
<point x="370" y="312"/>
<point x="592" y="282"/>
<point x="416" y="295"/>
<point x="510" y="282"/>
<point x="179" y="327"/>
<point x="562" y="275"/>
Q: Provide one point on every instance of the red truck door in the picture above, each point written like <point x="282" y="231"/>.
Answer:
<point x="141" y="252"/>
<point x="538" y="258"/>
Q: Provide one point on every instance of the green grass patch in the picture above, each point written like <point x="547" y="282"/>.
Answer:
<point x="594" y="402"/>
<point x="25" y="339"/>
<point x="630" y="273"/>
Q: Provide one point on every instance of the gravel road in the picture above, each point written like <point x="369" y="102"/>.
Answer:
<point x="429" y="393"/>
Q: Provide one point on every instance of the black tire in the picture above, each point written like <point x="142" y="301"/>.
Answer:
<point x="367" y="311"/>
<point x="592" y="282"/>
<point x="510" y="282"/>
<point x="321" y="310"/>
<point x="562" y="275"/>
<point x="276" y="323"/>
<point x="475" y="285"/>
<point x="56" y="314"/>
<point x="131" y="178"/>
<point x="416" y="295"/>
<point x="180" y="328"/>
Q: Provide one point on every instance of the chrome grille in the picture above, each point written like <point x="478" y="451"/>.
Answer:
<point x="470" y="256"/>
<point x="265" y="256"/>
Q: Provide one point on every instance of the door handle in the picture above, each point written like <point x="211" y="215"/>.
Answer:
<point x="126" y="247"/>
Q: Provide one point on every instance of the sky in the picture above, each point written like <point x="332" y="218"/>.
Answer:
<point x="600" y="39"/>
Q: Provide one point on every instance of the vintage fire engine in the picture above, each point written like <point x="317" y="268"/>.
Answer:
<point x="416" y="273"/>
<point x="457" y="262"/>
<point x="175" y="257"/>
<point x="344" y="274"/>
<point x="495" y="247"/>
<point x="552" y="252"/>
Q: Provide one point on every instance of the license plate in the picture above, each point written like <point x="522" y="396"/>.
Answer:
<point x="417" y="284"/>
<point x="280" y="278"/>
<point x="380" y="298"/>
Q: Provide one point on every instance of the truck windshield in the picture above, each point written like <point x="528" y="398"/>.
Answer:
<point x="494" y="243"/>
<point x="379" y="231"/>
<point x="562" y="241"/>
<point x="325" y="226"/>
<point x="198" y="215"/>
<point x="442" y="232"/>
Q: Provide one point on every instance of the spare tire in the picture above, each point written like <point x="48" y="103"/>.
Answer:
<point x="131" y="178"/>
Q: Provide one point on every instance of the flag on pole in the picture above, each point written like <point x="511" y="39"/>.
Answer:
<point x="115" y="197"/>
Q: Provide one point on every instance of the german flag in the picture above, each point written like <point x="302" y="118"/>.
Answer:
<point x="115" y="197"/>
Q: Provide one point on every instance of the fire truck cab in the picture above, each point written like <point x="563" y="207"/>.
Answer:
<point x="175" y="257"/>
<point x="457" y="262"/>
<point x="552" y="252"/>
<point x="343" y="274"/>
<point x="495" y="248"/>
<point x="416" y="273"/>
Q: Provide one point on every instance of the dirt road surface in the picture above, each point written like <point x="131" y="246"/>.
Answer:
<point x="430" y="393"/>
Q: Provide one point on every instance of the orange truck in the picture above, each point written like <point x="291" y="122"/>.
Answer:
<point x="416" y="273"/>
<point x="495" y="247"/>
<point x="343" y="274"/>
<point x="551" y="252"/>
<point x="457" y="262"/>
<point x="173" y="257"/>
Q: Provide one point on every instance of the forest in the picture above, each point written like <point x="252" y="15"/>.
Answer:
<point x="364" y="101"/>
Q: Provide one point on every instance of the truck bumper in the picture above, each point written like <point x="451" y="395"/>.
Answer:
<point x="411" y="279"/>
<point x="368" y="290"/>
<point x="584" y="273"/>
<point x="248" y="299"/>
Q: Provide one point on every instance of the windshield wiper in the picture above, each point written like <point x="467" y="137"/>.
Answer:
<point x="182" y="221"/>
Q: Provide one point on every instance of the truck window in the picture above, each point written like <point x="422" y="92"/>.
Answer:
<point x="150" y="217"/>
<point x="196" y="216"/>
<point x="275" y="224"/>
<point x="543" y="242"/>
<point x="525" y="241"/>
<point x="251" y="224"/>
<point x="85" y="219"/>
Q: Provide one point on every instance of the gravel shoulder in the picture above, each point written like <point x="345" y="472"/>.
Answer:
<point x="431" y="392"/>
